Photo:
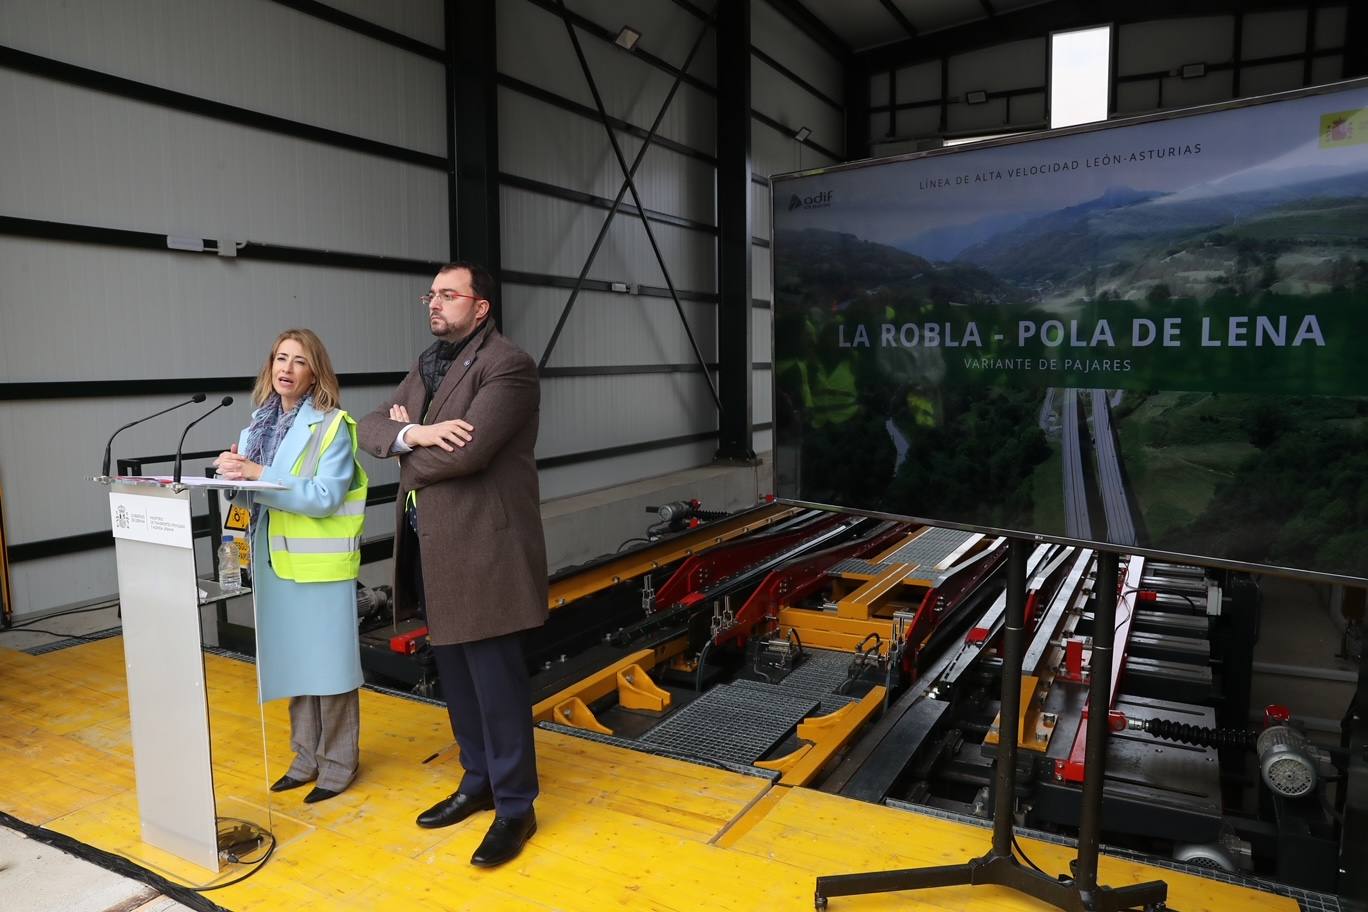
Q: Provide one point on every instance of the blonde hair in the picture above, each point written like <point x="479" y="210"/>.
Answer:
<point x="327" y="395"/>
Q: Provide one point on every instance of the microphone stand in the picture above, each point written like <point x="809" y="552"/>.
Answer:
<point x="104" y="466"/>
<point x="176" y="474"/>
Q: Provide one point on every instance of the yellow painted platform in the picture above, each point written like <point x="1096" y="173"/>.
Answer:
<point x="617" y="829"/>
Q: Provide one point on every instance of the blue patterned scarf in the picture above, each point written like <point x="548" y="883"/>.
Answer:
<point x="269" y="426"/>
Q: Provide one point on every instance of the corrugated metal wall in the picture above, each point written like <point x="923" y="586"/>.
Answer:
<point x="312" y="133"/>
<point x="1242" y="55"/>
<point x="795" y="83"/>
<point x="622" y="376"/>
<point x="177" y="146"/>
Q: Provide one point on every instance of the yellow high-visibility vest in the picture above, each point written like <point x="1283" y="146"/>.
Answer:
<point x="307" y="549"/>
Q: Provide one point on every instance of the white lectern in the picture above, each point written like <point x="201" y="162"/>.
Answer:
<point x="167" y="703"/>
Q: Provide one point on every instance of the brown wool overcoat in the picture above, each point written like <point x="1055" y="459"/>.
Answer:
<point x="479" y="507"/>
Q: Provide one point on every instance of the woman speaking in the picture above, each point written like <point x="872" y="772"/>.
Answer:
<point x="306" y="551"/>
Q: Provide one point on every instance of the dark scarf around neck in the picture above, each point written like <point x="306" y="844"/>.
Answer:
<point x="437" y="359"/>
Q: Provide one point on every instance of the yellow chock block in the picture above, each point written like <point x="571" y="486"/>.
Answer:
<point x="785" y="763"/>
<point x="636" y="690"/>
<point x="574" y="713"/>
<point x="819" y="728"/>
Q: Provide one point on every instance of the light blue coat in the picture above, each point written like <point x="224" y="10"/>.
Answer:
<point x="306" y="632"/>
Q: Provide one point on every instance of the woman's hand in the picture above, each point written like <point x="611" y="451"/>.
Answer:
<point x="233" y="466"/>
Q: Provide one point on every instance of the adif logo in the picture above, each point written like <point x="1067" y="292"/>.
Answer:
<point x="815" y="201"/>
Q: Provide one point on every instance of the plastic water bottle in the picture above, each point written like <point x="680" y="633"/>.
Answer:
<point x="229" y="572"/>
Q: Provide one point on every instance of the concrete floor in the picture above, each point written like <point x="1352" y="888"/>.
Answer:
<point x="38" y="878"/>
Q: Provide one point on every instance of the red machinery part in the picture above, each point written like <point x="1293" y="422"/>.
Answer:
<point x="796" y="581"/>
<point x="1073" y="658"/>
<point x="408" y="643"/>
<point x="1276" y="714"/>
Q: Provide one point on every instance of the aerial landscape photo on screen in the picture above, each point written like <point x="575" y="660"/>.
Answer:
<point x="1149" y="335"/>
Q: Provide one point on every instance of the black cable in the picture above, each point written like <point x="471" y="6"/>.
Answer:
<point x="48" y="617"/>
<point x="1024" y="857"/>
<point x="702" y="657"/>
<point x="629" y="541"/>
<point x="256" y="865"/>
<point x="53" y="633"/>
<point x="111" y="862"/>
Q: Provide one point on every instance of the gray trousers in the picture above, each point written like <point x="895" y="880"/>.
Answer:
<point x="325" y="733"/>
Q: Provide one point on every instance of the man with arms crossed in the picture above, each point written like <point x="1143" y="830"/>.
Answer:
<point x="469" y="549"/>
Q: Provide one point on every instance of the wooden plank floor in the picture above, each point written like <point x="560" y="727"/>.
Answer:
<point x="617" y="829"/>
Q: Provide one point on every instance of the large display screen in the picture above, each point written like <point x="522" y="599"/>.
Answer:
<point x="1149" y="335"/>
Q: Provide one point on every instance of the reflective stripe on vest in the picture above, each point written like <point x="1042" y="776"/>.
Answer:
<point x="310" y="549"/>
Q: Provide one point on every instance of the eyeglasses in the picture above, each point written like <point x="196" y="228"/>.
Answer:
<point x="447" y="295"/>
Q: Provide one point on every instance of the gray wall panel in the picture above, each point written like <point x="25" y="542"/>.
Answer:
<point x="1168" y="44"/>
<point x="421" y="19"/>
<point x="878" y="88"/>
<point x="1136" y="97"/>
<point x="1273" y="33"/>
<point x="762" y="323"/>
<point x="590" y="413"/>
<point x="786" y="43"/>
<point x="89" y="158"/>
<point x="553" y="236"/>
<point x="995" y="69"/>
<point x="93" y="158"/>
<point x="775" y="95"/>
<point x="1028" y="109"/>
<point x="44" y="584"/>
<point x="1184" y="93"/>
<point x="254" y="54"/>
<point x="1270" y="77"/>
<point x="562" y="481"/>
<point x="534" y="47"/>
<point x="46" y="489"/>
<point x="1327" y="69"/>
<point x="667" y="181"/>
<point x="774" y="153"/>
<point x="760" y="211"/>
<point x="667" y="30"/>
<point x="762" y="396"/>
<point x="1330" y="26"/>
<point x="989" y="117"/>
<point x="606" y="329"/>
<point x="880" y="124"/>
<point x="921" y="82"/>
<point x="760" y="272"/>
<point x="221" y="313"/>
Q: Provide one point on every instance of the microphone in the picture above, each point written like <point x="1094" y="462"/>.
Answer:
<point x="176" y="476"/>
<point x="104" y="467"/>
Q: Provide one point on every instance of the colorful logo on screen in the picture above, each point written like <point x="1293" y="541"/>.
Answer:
<point x="814" y="201"/>
<point x="1344" y="128"/>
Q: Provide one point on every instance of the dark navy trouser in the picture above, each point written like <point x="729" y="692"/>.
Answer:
<point x="488" y="697"/>
<point x="489" y="700"/>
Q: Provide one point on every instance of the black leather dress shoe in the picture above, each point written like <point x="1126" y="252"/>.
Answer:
<point x="454" y="809"/>
<point x="504" y="840"/>
<point x="320" y="794"/>
<point x="287" y="782"/>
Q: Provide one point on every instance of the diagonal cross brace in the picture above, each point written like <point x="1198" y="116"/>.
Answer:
<point x="630" y="185"/>
<point x="617" y="201"/>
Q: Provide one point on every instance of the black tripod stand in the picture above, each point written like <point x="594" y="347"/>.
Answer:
<point x="999" y="865"/>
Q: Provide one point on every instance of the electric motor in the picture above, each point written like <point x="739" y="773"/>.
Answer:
<point x="1285" y="761"/>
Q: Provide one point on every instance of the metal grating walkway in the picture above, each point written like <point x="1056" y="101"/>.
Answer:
<point x="816" y="678"/>
<point x="925" y="551"/>
<point x="733" y="723"/>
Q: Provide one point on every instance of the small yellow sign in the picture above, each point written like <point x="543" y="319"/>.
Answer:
<point x="237" y="518"/>
<point x="244" y="547"/>
<point x="1344" y="128"/>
